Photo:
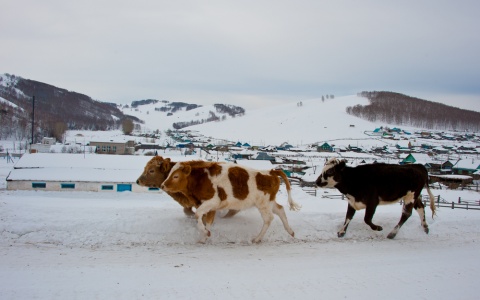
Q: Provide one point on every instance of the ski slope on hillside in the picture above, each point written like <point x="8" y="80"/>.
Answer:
<point x="314" y="121"/>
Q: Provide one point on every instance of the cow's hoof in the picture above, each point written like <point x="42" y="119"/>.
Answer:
<point x="188" y="211"/>
<point x="340" y="234"/>
<point x="203" y="240"/>
<point x="426" y="230"/>
<point x="379" y="228"/>
<point x="391" y="235"/>
<point x="256" y="241"/>
<point x="230" y="213"/>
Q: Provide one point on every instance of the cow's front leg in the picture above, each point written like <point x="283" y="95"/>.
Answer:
<point x="208" y="219"/>
<point x="205" y="208"/>
<point x="350" y="213"/>
<point x="369" y="212"/>
<point x="188" y="211"/>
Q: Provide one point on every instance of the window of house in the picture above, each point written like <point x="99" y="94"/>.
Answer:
<point x="107" y="187"/>
<point x="153" y="189"/>
<point x="39" y="185"/>
<point x="67" y="185"/>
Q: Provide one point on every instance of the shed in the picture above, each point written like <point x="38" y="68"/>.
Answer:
<point x="78" y="172"/>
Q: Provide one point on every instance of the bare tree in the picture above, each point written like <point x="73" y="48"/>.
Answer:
<point x="127" y="126"/>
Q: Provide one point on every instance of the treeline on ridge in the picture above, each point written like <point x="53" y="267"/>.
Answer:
<point x="56" y="110"/>
<point x="399" y="109"/>
<point x="224" y="109"/>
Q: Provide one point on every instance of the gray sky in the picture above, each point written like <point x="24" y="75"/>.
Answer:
<point x="247" y="53"/>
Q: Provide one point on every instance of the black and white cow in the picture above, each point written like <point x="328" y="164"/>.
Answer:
<point x="367" y="186"/>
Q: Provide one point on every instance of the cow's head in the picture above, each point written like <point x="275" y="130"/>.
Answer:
<point x="177" y="180"/>
<point x="331" y="173"/>
<point x="155" y="172"/>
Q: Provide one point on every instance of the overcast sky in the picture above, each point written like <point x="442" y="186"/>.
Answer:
<point x="244" y="52"/>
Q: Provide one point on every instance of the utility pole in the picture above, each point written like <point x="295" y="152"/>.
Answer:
<point x="33" y="118"/>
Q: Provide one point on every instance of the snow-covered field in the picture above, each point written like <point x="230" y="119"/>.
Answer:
<point x="80" y="245"/>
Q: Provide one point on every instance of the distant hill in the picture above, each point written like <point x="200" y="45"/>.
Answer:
<point x="162" y="115"/>
<point x="399" y="109"/>
<point x="56" y="109"/>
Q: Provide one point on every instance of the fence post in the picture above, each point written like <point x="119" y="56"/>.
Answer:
<point x="453" y="205"/>
<point x="459" y="199"/>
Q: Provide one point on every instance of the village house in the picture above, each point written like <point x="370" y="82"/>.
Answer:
<point x="44" y="146"/>
<point x="433" y="165"/>
<point x="325" y="147"/>
<point x="466" y="167"/>
<point x="114" y="147"/>
<point x="263" y="156"/>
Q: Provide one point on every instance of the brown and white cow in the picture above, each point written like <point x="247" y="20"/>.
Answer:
<point x="154" y="174"/>
<point x="367" y="186"/>
<point x="230" y="186"/>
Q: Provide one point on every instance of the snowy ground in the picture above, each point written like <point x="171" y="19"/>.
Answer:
<point x="79" y="245"/>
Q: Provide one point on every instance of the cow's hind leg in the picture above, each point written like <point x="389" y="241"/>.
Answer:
<point x="369" y="212"/>
<point x="350" y="213"/>
<point x="406" y="213"/>
<point x="420" y="208"/>
<point x="267" y="216"/>
<point x="280" y="212"/>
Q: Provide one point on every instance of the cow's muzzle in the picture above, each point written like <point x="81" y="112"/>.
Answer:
<point x="321" y="183"/>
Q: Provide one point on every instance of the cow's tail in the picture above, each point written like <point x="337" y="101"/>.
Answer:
<point x="430" y="195"/>
<point x="432" y="200"/>
<point x="293" y="205"/>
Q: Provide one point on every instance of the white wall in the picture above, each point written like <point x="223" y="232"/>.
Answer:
<point x="79" y="186"/>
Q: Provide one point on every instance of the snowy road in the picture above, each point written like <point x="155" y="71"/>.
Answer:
<point x="74" y="245"/>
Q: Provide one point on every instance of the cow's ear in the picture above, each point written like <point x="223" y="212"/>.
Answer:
<point x="165" y="165"/>
<point x="186" y="169"/>
<point x="160" y="162"/>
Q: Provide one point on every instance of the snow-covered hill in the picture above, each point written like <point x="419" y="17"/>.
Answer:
<point x="155" y="119"/>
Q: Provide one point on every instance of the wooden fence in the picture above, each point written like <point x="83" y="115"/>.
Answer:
<point x="439" y="202"/>
<point x="460" y="204"/>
